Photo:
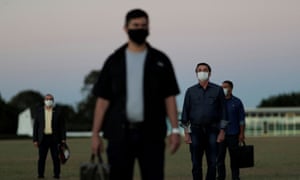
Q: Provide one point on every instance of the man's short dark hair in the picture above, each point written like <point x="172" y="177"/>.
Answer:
<point x="135" y="13"/>
<point x="203" y="64"/>
<point x="229" y="82"/>
<point x="50" y="95"/>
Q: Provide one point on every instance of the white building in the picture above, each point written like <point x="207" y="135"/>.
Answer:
<point x="275" y="121"/>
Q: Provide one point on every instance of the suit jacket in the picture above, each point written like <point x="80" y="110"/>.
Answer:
<point x="58" y="125"/>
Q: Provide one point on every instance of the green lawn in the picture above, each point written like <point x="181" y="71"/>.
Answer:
<point x="275" y="158"/>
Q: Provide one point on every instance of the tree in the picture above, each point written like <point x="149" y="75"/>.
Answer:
<point x="8" y="116"/>
<point x="282" y="100"/>
<point x="69" y="115"/>
<point x="85" y="109"/>
<point x="27" y="99"/>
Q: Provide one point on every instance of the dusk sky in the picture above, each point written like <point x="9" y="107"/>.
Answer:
<point x="51" y="45"/>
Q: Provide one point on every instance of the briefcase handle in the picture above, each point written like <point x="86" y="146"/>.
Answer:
<point x="100" y="160"/>
<point x="243" y="143"/>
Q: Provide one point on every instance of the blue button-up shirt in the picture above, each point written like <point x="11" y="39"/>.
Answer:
<point x="236" y="115"/>
<point x="204" y="106"/>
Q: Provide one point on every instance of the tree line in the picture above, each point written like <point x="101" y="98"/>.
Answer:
<point x="80" y="118"/>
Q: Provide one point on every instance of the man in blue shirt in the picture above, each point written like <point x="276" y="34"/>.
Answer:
<point x="235" y="132"/>
<point x="204" y="118"/>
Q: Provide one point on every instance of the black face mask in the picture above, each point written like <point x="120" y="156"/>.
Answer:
<point x="138" y="35"/>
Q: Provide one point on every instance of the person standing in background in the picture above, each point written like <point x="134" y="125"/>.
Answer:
<point x="235" y="132"/>
<point x="48" y="132"/>
<point x="204" y="118"/>
<point x="135" y="91"/>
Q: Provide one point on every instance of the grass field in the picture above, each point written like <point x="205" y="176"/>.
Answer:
<point x="276" y="158"/>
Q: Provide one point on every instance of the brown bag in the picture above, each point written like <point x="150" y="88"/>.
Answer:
<point x="64" y="152"/>
<point x="94" y="170"/>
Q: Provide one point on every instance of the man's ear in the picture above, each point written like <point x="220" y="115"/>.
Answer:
<point x="125" y="29"/>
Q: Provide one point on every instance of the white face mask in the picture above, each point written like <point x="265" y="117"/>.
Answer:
<point x="49" y="103"/>
<point x="202" y="76"/>
<point x="225" y="91"/>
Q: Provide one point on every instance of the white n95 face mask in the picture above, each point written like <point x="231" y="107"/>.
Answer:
<point x="49" y="103"/>
<point x="225" y="91"/>
<point x="202" y="76"/>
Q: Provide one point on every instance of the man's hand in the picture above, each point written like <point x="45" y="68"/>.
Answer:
<point x="241" y="137"/>
<point x="174" y="141"/>
<point x="187" y="138"/>
<point x="221" y="136"/>
<point x="97" y="144"/>
<point x="36" y="144"/>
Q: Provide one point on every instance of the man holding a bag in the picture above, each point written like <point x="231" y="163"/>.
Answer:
<point x="135" y="91"/>
<point x="235" y="133"/>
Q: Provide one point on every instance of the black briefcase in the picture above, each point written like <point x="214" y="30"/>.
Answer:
<point x="94" y="170"/>
<point x="245" y="155"/>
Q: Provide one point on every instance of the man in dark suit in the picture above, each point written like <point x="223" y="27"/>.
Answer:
<point x="48" y="132"/>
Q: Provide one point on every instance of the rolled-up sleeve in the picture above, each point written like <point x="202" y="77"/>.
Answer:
<point x="223" y="110"/>
<point x="185" y="110"/>
<point x="241" y="114"/>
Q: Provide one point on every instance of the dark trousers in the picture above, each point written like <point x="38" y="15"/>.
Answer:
<point x="48" y="143"/>
<point x="231" y="142"/>
<point x="204" y="139"/>
<point x="148" y="153"/>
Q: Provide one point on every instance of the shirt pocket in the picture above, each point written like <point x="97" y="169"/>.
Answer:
<point x="196" y="101"/>
<point x="211" y="100"/>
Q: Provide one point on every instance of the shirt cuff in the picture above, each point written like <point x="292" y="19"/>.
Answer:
<point x="186" y="126"/>
<point x="223" y="124"/>
<point x="242" y="123"/>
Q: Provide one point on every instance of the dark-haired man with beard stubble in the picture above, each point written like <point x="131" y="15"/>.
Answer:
<point x="135" y="91"/>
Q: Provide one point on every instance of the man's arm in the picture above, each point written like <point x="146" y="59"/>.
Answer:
<point x="99" y="112"/>
<point x="35" y="130"/>
<point x="185" y="123"/>
<point x="242" y="122"/>
<point x="224" y="117"/>
<point x="62" y="127"/>
<point x="172" y="113"/>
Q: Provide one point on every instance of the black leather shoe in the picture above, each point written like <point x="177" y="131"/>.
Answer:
<point x="56" y="177"/>
<point x="40" y="177"/>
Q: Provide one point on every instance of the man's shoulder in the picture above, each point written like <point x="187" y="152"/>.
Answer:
<point x="158" y="57"/>
<point x="40" y="108"/>
<point x="38" y="111"/>
<point x="193" y="87"/>
<point x="156" y="51"/>
<point x="237" y="99"/>
<point x="214" y="85"/>
<point x="115" y="57"/>
<point x="196" y="85"/>
<point x="117" y="52"/>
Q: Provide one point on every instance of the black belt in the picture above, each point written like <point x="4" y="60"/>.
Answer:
<point x="204" y="125"/>
<point x="48" y="134"/>
<point x="135" y="125"/>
